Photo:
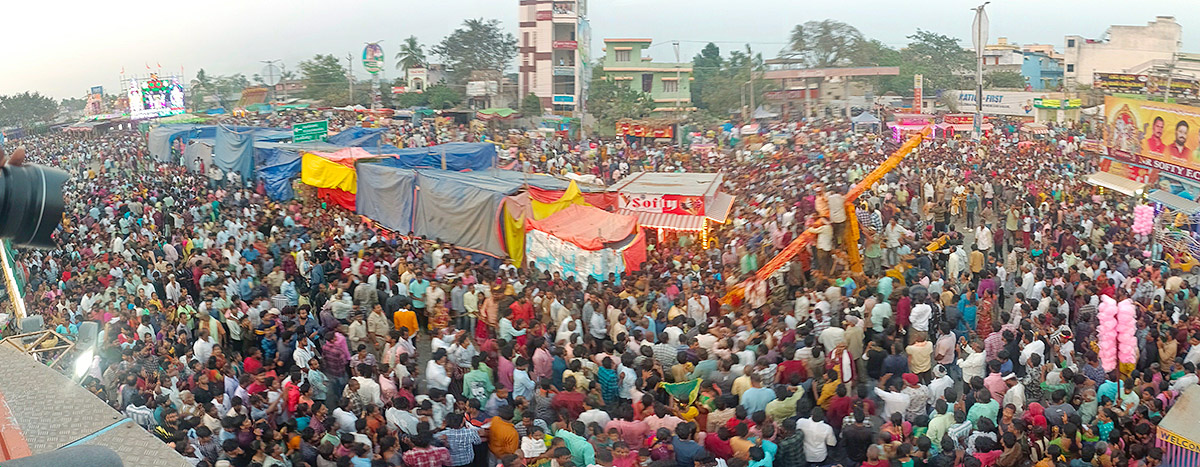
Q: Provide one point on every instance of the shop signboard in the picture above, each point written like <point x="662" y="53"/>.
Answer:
<point x="665" y="204"/>
<point x="1120" y="82"/>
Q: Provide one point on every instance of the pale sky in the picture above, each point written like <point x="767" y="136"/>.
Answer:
<point x="61" y="48"/>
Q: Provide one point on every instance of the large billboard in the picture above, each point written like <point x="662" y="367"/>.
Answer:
<point x="1181" y="86"/>
<point x="154" y="97"/>
<point x="1012" y="103"/>
<point x="1154" y="134"/>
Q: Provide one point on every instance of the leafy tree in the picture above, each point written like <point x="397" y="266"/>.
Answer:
<point x="939" y="58"/>
<point x="479" y="45"/>
<point x="724" y="91"/>
<point x="705" y="65"/>
<point x="531" y="106"/>
<point x="441" y="96"/>
<point x="610" y="101"/>
<point x="26" y="109"/>
<point x="1004" y="79"/>
<point x="72" y="104"/>
<point x="823" y="44"/>
<point x="411" y="54"/>
<point x="325" y="79"/>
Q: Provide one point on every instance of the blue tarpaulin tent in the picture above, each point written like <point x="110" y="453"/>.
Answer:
<point x="278" y="163"/>
<point x="357" y="137"/>
<point x="457" y="156"/>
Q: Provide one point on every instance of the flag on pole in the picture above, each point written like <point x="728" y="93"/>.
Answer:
<point x="17" y="271"/>
<point x="686" y="391"/>
<point x="122" y="70"/>
<point x="160" y="66"/>
<point x="147" y="65"/>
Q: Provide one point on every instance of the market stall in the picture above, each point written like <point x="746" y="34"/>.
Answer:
<point x="1116" y="183"/>
<point x="906" y="125"/>
<point x="955" y="124"/>
<point x="674" y="202"/>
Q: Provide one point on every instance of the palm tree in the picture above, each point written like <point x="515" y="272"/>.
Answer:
<point x="411" y="54"/>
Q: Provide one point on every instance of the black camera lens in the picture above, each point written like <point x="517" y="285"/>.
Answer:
<point x="31" y="204"/>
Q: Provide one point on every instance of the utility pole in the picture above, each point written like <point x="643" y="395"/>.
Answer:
<point x="350" y="75"/>
<point x="678" y="101"/>
<point x="1170" y="74"/>
<point x="750" y="67"/>
<point x="270" y="72"/>
<point x="979" y="33"/>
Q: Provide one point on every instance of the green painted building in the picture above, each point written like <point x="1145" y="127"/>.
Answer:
<point x="669" y="84"/>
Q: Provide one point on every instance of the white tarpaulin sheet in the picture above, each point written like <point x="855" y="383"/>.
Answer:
<point x="552" y="254"/>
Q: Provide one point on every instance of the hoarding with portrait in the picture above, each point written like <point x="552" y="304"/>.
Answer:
<point x="154" y="97"/>
<point x="1154" y="134"/>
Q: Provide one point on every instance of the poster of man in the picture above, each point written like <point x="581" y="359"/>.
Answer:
<point x="1155" y="143"/>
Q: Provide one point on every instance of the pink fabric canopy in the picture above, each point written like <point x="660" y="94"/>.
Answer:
<point x="585" y="226"/>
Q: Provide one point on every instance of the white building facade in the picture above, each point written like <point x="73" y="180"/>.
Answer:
<point x="553" y="54"/>
<point x="1124" y="49"/>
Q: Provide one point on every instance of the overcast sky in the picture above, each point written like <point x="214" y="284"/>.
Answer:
<point x="62" y="48"/>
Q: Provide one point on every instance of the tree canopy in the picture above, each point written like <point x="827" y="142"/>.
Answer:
<point x="610" y="101"/>
<point x="411" y="54"/>
<point x="531" y="106"/>
<point x="478" y="45"/>
<point x="325" y="79"/>
<point x="823" y="44"/>
<point x="26" y="109"/>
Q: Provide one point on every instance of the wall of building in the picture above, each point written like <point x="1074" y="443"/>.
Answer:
<point x="633" y="72"/>
<point x="541" y="24"/>
<point x="1126" y="47"/>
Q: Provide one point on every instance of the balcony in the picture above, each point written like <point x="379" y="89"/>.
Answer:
<point x="564" y="12"/>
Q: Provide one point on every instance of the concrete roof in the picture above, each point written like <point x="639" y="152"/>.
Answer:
<point x="662" y="183"/>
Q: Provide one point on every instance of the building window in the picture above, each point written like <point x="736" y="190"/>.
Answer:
<point x="1070" y="43"/>
<point x="670" y="86"/>
<point x="647" y="82"/>
<point x="1070" y="68"/>
<point x="622" y="55"/>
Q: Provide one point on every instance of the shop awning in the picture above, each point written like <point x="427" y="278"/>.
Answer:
<point x="1035" y="128"/>
<point x="718" y="210"/>
<point x="1175" y="202"/>
<point x="1116" y="182"/>
<point x="1178" y="432"/>
<point x="660" y="220"/>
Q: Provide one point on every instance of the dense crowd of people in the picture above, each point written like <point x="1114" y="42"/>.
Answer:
<point x="247" y="332"/>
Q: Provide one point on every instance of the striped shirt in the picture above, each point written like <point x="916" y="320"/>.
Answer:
<point x="141" y="415"/>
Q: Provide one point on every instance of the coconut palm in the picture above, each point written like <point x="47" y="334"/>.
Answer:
<point x="411" y="54"/>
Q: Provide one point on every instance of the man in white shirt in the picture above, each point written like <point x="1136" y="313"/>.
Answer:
<point x="893" y="401"/>
<point x="1031" y="346"/>
<point x="818" y="436"/>
<point x="1015" y="394"/>
<point x="203" y="347"/>
<point x="919" y="317"/>
<point x="941" y="382"/>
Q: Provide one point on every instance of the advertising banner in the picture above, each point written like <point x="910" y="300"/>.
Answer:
<point x="1157" y="135"/>
<point x="918" y="92"/>
<point x="1133" y="172"/>
<point x="1181" y="87"/>
<point x="1012" y="103"/>
<point x="641" y="130"/>
<point x="372" y="58"/>
<point x="1120" y="82"/>
<point x="666" y="204"/>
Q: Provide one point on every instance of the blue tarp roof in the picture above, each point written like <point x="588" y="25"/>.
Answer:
<point x="458" y="156"/>
<point x="357" y="137"/>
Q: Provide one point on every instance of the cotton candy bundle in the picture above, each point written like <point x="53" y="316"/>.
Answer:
<point x="1107" y="332"/>
<point x="1127" y="345"/>
<point x="1097" y="199"/>
<point x="1143" y="220"/>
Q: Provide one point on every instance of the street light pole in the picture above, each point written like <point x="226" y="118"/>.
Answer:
<point x="979" y="32"/>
